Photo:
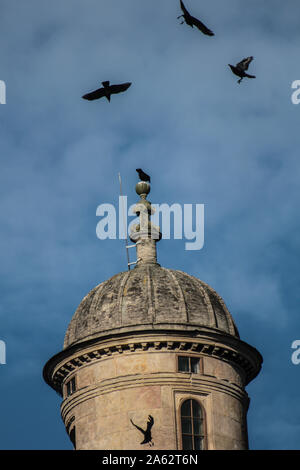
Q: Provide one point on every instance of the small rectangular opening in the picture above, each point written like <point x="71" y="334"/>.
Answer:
<point x="189" y="364"/>
<point x="71" y="386"/>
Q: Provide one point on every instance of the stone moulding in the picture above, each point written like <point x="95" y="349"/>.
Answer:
<point x="69" y="423"/>
<point x="229" y="349"/>
<point x="202" y="385"/>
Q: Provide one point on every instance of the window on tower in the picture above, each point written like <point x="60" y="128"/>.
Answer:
<point x="192" y="425"/>
<point x="70" y="386"/>
<point x="189" y="364"/>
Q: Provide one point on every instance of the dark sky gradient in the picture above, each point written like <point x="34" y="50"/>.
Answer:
<point x="203" y="138"/>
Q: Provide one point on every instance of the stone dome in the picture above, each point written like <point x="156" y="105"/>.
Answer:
<point x="149" y="297"/>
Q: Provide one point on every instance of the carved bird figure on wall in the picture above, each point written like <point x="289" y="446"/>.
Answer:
<point x="147" y="431"/>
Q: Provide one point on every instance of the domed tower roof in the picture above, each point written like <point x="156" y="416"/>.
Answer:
<point x="149" y="297"/>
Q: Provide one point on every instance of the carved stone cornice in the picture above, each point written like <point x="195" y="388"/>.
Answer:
<point x="225" y="347"/>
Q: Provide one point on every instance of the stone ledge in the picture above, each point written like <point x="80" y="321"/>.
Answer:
<point x="201" y="383"/>
<point x="230" y="350"/>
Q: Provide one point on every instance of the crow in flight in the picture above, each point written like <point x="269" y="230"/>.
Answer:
<point x="147" y="433"/>
<point x="106" y="91"/>
<point x="143" y="176"/>
<point x="240" y="68"/>
<point x="192" y="21"/>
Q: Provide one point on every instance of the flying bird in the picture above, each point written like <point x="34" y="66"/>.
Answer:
<point x="106" y="91"/>
<point x="192" y="21"/>
<point x="143" y="176"/>
<point x="147" y="432"/>
<point x="240" y="68"/>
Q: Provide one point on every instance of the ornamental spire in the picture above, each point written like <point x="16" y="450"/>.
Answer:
<point x="145" y="234"/>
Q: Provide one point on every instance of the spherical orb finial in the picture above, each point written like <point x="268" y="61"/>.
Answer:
<point x="142" y="188"/>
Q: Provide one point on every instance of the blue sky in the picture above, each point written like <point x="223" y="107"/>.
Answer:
<point x="203" y="139"/>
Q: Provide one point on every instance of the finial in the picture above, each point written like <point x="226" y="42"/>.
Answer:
<point x="142" y="188"/>
<point x="145" y="234"/>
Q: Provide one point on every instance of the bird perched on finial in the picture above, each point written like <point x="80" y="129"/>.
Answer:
<point x="147" y="432"/>
<point x="106" y="91"/>
<point x="192" y="21"/>
<point x="143" y="176"/>
<point x="239" y="69"/>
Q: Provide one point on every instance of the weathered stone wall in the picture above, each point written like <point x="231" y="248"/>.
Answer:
<point x="135" y="384"/>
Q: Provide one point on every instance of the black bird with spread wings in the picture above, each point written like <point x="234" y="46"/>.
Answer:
<point x="192" y="21"/>
<point x="147" y="432"/>
<point x="240" y="68"/>
<point x="106" y="91"/>
<point x="143" y="176"/>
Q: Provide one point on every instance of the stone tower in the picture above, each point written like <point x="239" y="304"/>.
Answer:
<point x="153" y="348"/>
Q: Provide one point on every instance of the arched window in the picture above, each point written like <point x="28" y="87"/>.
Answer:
<point x="192" y="425"/>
